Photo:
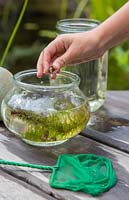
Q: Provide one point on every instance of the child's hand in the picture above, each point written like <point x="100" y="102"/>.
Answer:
<point x="69" y="49"/>
<point x="81" y="47"/>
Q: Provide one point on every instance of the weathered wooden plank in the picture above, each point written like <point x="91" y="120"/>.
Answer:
<point x="2" y="127"/>
<point x="14" y="189"/>
<point x="110" y="124"/>
<point x="12" y="148"/>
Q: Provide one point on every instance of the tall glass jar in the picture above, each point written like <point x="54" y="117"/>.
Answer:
<point x="93" y="74"/>
<point x="45" y="112"/>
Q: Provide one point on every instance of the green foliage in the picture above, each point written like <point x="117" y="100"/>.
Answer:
<point x="104" y="8"/>
<point x="13" y="33"/>
<point x="80" y="8"/>
<point x="121" y="56"/>
<point x="63" y="9"/>
<point x="47" y="33"/>
<point x="42" y="35"/>
<point x="118" y="56"/>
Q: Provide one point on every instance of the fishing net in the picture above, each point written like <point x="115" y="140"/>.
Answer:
<point x="89" y="173"/>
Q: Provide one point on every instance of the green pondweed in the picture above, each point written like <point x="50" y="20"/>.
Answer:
<point x="54" y="127"/>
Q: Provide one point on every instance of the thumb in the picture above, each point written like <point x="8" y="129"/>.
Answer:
<point x="63" y="60"/>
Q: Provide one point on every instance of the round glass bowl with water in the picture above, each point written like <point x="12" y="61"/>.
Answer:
<point x="45" y="112"/>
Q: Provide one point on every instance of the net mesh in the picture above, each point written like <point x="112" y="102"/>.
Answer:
<point x="83" y="172"/>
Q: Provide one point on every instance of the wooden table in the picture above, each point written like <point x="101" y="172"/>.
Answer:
<point x="107" y="135"/>
<point x="110" y="124"/>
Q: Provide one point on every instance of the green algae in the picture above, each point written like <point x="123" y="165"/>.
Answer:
<point x="50" y="127"/>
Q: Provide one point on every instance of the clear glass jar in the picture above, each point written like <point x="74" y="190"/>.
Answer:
<point x="45" y="112"/>
<point x="93" y="74"/>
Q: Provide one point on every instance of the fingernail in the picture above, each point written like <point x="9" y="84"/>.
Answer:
<point x="39" y="75"/>
<point x="56" y="65"/>
<point x="53" y="76"/>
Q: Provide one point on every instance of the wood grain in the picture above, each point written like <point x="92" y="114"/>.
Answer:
<point x="2" y="127"/>
<point x="12" y="148"/>
<point x="110" y="124"/>
<point x="15" y="189"/>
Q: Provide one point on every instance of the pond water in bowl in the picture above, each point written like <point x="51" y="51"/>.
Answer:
<point x="63" y="119"/>
<point x="45" y="112"/>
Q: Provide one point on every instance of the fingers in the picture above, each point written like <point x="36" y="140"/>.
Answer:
<point x="53" y="75"/>
<point x="44" y="60"/>
<point x="43" y="64"/>
<point x="57" y="54"/>
<point x="67" y="58"/>
<point x="49" y="54"/>
<point x="39" y="66"/>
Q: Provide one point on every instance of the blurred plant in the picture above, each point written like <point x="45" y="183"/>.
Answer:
<point x="6" y="11"/>
<point x="63" y="9"/>
<point x="122" y="57"/>
<point x="81" y="5"/>
<point x="31" y="26"/>
<point x="13" y="33"/>
<point x="118" y="56"/>
<point x="80" y="8"/>
<point x="47" y="33"/>
<point x="25" y="56"/>
<point x="103" y="9"/>
<point x="100" y="10"/>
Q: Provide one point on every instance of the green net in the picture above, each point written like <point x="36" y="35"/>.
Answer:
<point x="81" y="172"/>
<point x="84" y="172"/>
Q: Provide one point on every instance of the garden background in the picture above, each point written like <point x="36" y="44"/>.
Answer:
<point x="38" y="29"/>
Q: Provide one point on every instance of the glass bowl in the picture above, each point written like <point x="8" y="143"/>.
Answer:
<point x="45" y="112"/>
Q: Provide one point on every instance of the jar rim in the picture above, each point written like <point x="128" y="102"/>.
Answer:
<point x="74" y="80"/>
<point x="76" y="24"/>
